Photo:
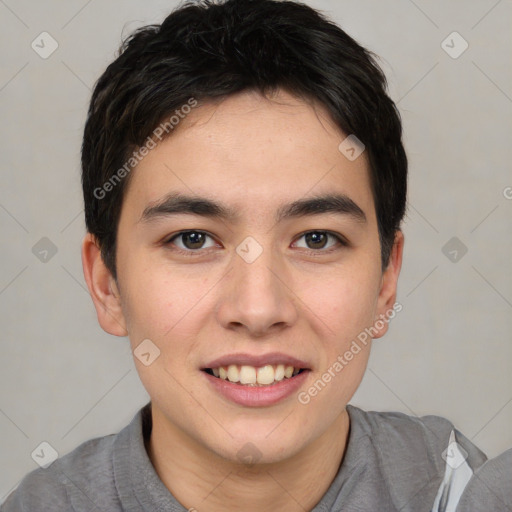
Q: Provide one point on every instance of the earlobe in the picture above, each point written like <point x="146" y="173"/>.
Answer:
<point x="103" y="288"/>
<point x="387" y="295"/>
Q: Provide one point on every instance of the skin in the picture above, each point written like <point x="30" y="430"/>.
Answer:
<point x="253" y="154"/>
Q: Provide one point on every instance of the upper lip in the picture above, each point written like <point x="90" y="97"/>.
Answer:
<point x="257" y="361"/>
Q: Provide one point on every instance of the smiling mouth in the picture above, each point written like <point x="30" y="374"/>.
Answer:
<point x="245" y="375"/>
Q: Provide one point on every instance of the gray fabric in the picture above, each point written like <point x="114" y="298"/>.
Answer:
<point x="392" y="462"/>
<point x="490" y="489"/>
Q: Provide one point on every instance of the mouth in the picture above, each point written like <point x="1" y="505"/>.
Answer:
<point x="255" y="376"/>
<point x="256" y="380"/>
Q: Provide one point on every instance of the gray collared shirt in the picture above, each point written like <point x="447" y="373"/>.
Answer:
<point x="393" y="462"/>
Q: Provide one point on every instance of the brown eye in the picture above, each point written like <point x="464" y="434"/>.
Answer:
<point x="317" y="240"/>
<point x="190" y="240"/>
<point x="194" y="238"/>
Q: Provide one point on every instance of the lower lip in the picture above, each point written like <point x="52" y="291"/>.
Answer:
<point x="257" y="396"/>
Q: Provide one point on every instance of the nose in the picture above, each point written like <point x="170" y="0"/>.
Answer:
<point x="257" y="296"/>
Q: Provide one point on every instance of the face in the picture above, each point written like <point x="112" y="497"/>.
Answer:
<point x="246" y="281"/>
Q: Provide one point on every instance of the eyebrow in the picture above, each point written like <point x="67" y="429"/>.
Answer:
<point x="177" y="203"/>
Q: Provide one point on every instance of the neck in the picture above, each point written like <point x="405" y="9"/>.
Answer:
<point x="202" y="480"/>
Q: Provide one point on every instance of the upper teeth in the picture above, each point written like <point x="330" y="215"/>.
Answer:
<point x="250" y="375"/>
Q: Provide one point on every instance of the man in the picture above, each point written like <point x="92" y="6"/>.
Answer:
<point x="244" y="183"/>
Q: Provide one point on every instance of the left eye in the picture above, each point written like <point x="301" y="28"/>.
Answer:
<point x="319" y="239"/>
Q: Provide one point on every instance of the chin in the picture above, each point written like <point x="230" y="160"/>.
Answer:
<point x="256" y="448"/>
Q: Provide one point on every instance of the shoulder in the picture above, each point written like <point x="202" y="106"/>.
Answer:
<point x="420" y="459"/>
<point x="425" y="437"/>
<point x="36" y="492"/>
<point x="389" y="423"/>
<point x="81" y="479"/>
<point x="491" y="486"/>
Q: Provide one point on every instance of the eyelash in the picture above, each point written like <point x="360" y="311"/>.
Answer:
<point x="191" y="252"/>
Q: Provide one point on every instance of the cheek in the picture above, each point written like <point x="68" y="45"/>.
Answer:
<point x="346" y="301"/>
<point x="151" y="301"/>
<point x="167" y="310"/>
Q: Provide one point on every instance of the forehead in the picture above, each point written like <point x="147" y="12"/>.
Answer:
<point x="251" y="152"/>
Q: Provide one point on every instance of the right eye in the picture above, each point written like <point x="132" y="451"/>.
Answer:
<point x="192" y="241"/>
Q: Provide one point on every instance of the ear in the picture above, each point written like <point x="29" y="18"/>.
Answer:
<point x="387" y="294"/>
<point x="103" y="288"/>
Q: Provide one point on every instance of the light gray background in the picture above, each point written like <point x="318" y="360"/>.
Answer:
<point x="63" y="380"/>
